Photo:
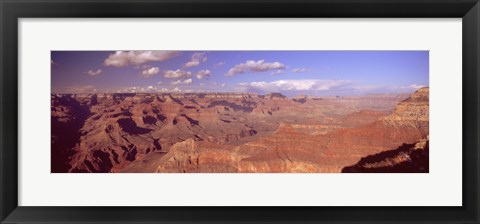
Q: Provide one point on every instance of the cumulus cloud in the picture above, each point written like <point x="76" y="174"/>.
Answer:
<point x="124" y="58"/>
<point x="254" y="66"/>
<point x="296" y="85"/>
<point x="159" y="82"/>
<point x="129" y="89"/>
<point x="177" y="74"/>
<point x="94" y="72"/>
<point x="176" y="89"/>
<point x="147" y="73"/>
<point x="180" y="82"/>
<point x="299" y="70"/>
<point x="203" y="74"/>
<point x="195" y="60"/>
<point x="132" y="89"/>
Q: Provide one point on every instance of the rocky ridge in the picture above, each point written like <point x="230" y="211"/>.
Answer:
<point x="229" y="132"/>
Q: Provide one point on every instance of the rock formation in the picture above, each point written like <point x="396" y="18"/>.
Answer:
<point x="408" y="158"/>
<point x="230" y="132"/>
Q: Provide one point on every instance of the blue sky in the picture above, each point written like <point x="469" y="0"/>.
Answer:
<point x="315" y="73"/>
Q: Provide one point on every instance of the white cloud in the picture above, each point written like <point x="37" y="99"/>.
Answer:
<point x="387" y="89"/>
<point x="173" y="83"/>
<point x="409" y="88"/>
<point x="177" y="74"/>
<point x="176" y="89"/>
<point x="254" y="66"/>
<point x="124" y="58"/>
<point x="147" y="73"/>
<point x="367" y="88"/>
<point x="195" y="60"/>
<point x="277" y="72"/>
<point x="416" y="86"/>
<point x="135" y="89"/>
<point x="76" y="89"/>
<point x="180" y="82"/>
<point x="219" y="64"/>
<point x="223" y="85"/>
<point x="202" y="74"/>
<point x="93" y="72"/>
<point x="299" y="70"/>
<point x="191" y="64"/>
<point x="159" y="82"/>
<point x="296" y="85"/>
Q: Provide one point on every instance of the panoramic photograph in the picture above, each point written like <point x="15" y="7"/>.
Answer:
<point x="252" y="111"/>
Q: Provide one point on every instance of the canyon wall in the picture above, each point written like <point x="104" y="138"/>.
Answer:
<point x="229" y="132"/>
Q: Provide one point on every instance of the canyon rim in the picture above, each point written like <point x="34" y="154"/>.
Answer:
<point x="239" y="112"/>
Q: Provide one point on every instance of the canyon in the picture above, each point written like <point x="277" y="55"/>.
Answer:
<point x="239" y="133"/>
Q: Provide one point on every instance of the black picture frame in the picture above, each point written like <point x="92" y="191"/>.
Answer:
<point x="12" y="10"/>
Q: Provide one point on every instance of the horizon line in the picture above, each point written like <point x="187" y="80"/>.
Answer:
<point x="239" y="93"/>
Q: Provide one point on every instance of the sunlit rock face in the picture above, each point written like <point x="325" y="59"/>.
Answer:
<point x="230" y="132"/>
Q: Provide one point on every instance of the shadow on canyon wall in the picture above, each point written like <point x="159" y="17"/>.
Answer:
<point x="65" y="140"/>
<point x="404" y="159"/>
